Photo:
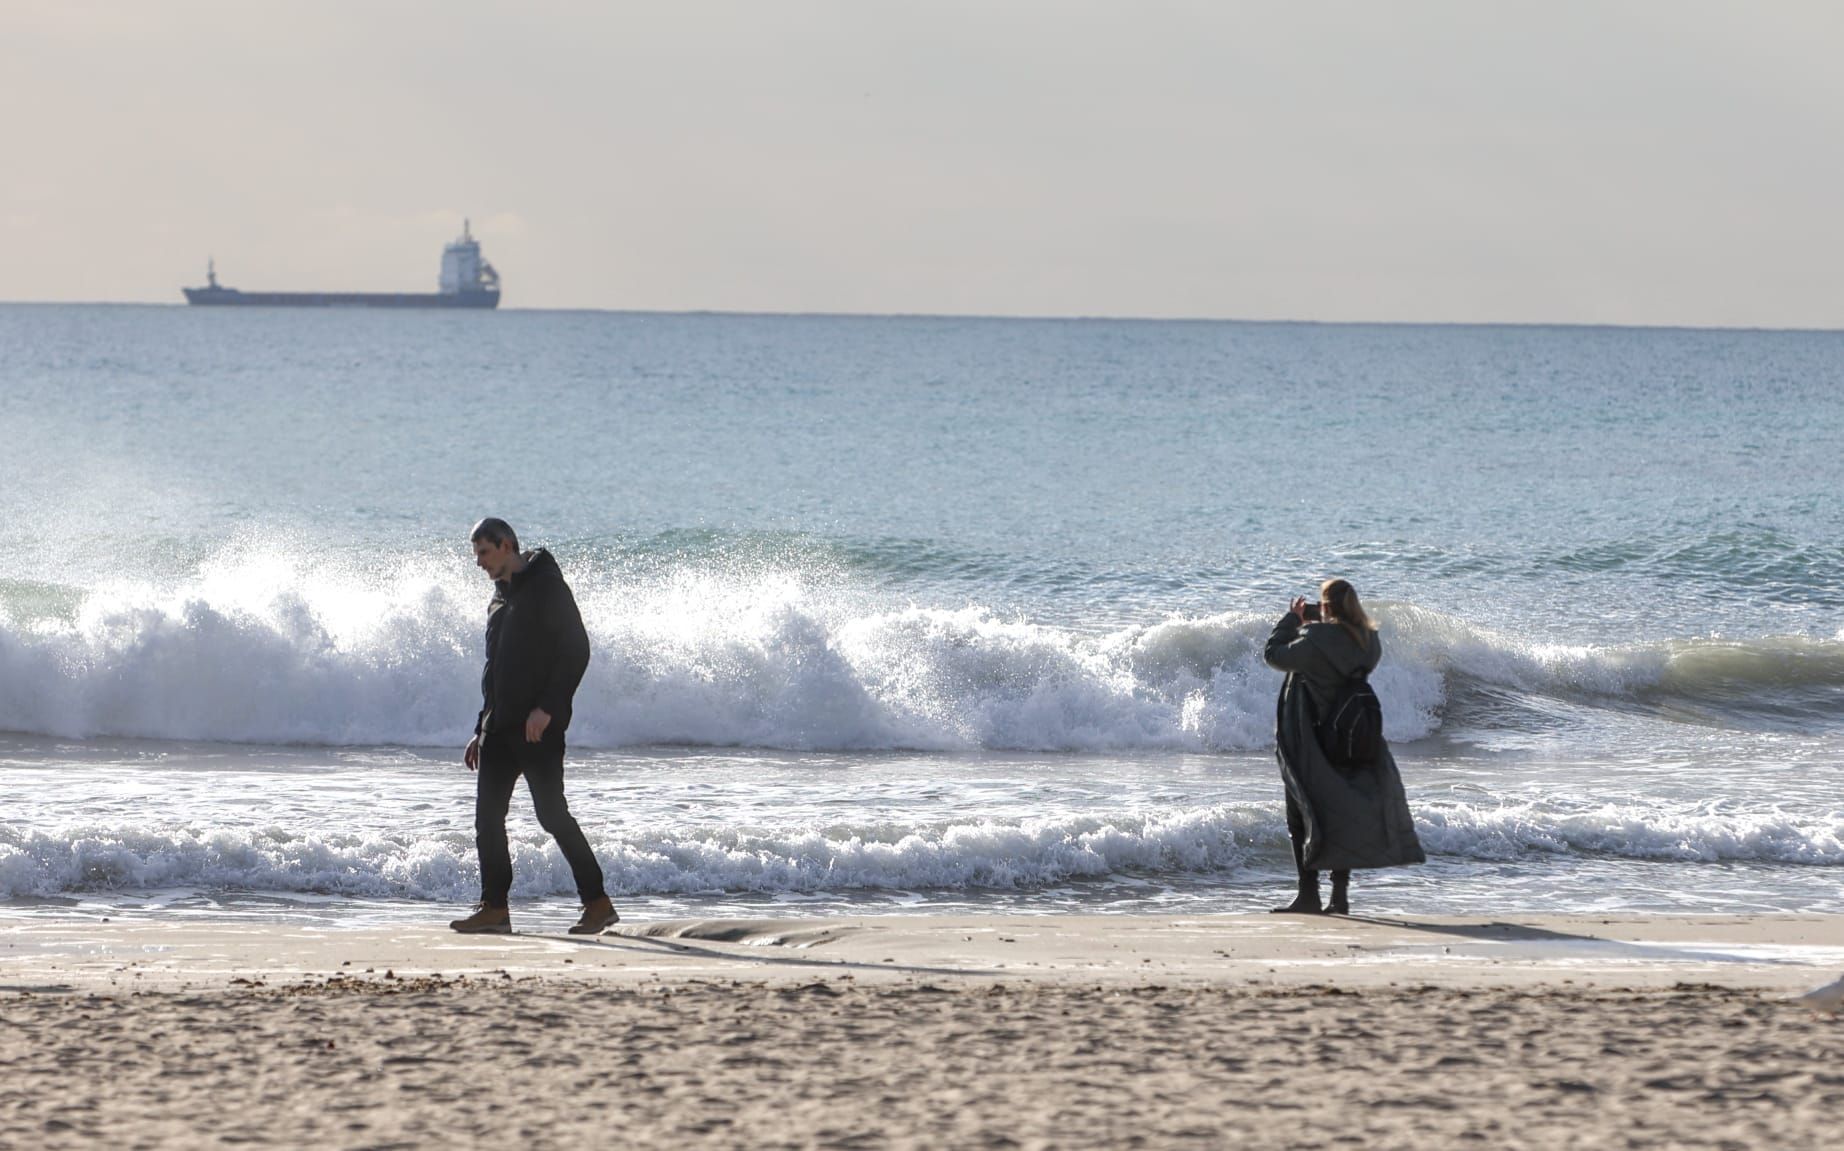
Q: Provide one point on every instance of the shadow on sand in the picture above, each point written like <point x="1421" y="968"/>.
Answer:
<point x="1564" y="941"/>
<point x="652" y="944"/>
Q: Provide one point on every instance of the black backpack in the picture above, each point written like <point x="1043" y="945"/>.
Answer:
<point x="1352" y="731"/>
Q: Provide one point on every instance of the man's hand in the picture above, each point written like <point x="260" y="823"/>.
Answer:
<point x="471" y="756"/>
<point x="535" y="723"/>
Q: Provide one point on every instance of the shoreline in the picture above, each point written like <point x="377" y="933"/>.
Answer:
<point x="1763" y="952"/>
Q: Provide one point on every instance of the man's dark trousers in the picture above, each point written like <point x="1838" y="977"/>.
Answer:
<point x="504" y="756"/>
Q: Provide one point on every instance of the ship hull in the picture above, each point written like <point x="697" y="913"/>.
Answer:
<point x="233" y="298"/>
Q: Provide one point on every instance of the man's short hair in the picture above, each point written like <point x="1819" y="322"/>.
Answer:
<point x="495" y="531"/>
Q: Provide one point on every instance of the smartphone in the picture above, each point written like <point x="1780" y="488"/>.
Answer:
<point x="1310" y="613"/>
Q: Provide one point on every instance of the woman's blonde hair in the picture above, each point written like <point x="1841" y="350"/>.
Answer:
<point x="1341" y="598"/>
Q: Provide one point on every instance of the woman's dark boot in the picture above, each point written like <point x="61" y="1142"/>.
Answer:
<point x="1339" y="904"/>
<point x="1307" y="901"/>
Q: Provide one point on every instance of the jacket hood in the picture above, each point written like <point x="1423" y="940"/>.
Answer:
<point x="1335" y="643"/>
<point x="540" y="567"/>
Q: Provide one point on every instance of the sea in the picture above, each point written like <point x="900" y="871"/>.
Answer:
<point x="909" y="614"/>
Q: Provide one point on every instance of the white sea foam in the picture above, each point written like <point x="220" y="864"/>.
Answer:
<point x="299" y="662"/>
<point x="1219" y="841"/>
<point x="263" y="650"/>
<point x="1629" y="831"/>
<point x="987" y="854"/>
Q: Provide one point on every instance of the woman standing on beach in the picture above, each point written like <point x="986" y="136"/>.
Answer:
<point x="1339" y="817"/>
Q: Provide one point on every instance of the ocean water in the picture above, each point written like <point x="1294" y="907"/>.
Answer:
<point x="898" y="614"/>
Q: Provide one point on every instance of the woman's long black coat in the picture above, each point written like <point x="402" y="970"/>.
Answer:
<point x="1355" y="817"/>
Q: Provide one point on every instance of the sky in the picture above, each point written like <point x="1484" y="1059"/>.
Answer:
<point x="1607" y="162"/>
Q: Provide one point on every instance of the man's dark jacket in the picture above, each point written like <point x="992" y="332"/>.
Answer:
<point x="537" y="650"/>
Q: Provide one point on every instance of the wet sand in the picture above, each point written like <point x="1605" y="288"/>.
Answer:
<point x="927" y="1032"/>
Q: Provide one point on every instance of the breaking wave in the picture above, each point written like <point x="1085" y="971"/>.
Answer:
<point x="1217" y="841"/>
<point x="442" y="866"/>
<point x="269" y="653"/>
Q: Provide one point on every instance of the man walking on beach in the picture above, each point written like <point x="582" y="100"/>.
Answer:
<point x="537" y="652"/>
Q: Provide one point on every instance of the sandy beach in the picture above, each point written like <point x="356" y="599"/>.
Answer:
<point x="993" y="1031"/>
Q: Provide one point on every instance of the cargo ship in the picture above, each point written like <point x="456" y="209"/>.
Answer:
<point x="468" y="281"/>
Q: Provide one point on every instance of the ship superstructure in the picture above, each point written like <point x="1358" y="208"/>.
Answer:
<point x="467" y="281"/>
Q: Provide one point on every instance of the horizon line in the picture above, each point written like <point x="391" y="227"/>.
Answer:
<point x="992" y="316"/>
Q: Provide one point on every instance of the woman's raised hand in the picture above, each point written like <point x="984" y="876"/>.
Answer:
<point x="1299" y="606"/>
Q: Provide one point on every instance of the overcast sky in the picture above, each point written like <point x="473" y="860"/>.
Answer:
<point x="1596" y="162"/>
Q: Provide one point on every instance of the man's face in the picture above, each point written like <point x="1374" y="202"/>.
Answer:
<point x="494" y="558"/>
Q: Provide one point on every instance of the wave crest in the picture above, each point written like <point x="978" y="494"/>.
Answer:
<point x="986" y="854"/>
<point x="1219" y="841"/>
<point x="270" y="655"/>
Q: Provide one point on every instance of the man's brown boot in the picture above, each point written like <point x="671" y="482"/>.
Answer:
<point x="598" y="916"/>
<point x="485" y="921"/>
